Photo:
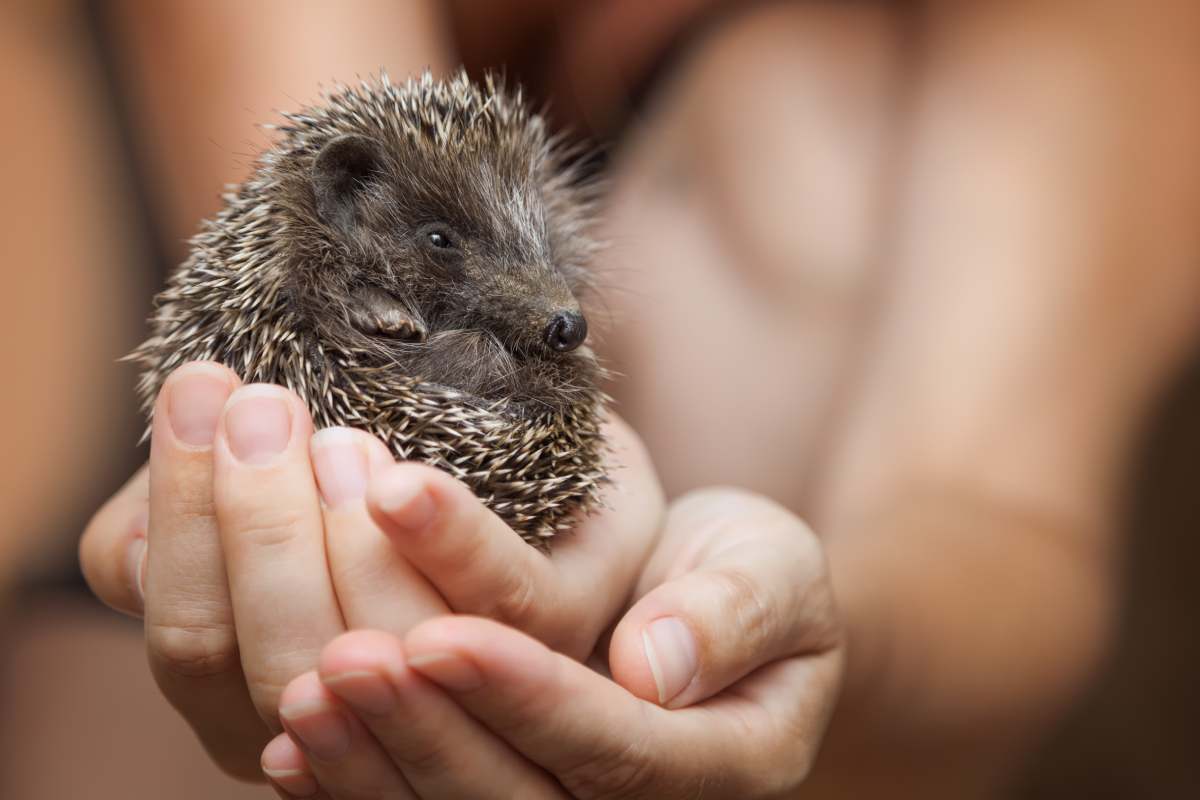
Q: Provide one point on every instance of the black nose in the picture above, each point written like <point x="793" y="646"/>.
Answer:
<point x="566" y="331"/>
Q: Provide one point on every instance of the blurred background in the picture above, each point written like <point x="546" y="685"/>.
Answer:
<point x="762" y="159"/>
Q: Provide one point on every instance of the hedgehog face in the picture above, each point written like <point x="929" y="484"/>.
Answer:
<point x="409" y="260"/>
<point x="457" y="266"/>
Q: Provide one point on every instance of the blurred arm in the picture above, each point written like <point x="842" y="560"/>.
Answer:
<point x="1046" y="278"/>
<point x="204" y="74"/>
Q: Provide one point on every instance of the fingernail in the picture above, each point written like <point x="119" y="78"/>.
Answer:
<point x="448" y="670"/>
<point x="135" y="563"/>
<point x="340" y="464"/>
<point x="321" y="729"/>
<point x="258" y="424"/>
<point x="295" y="782"/>
<point x="406" y="501"/>
<point x="364" y="691"/>
<point x="194" y="402"/>
<point x="283" y="763"/>
<point x="671" y="654"/>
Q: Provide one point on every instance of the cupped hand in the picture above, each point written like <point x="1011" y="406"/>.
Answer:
<point x="249" y="543"/>
<point x="725" y="671"/>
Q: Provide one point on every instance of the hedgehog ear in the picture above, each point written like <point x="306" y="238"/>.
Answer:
<point x="341" y="173"/>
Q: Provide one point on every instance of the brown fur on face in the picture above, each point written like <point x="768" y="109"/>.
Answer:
<point x="411" y="260"/>
<point x="465" y="215"/>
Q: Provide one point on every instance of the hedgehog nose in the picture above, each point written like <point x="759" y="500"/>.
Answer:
<point x="566" y="331"/>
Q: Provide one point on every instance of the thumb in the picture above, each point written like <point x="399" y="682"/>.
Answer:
<point x="750" y="587"/>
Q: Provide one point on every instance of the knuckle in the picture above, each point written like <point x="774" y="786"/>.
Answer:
<point x="717" y="501"/>
<point x="425" y="755"/>
<point x="780" y="769"/>
<point x="629" y="772"/>
<point x="744" y="602"/>
<point x="784" y="750"/>
<point x="188" y="507"/>
<point x="732" y="510"/>
<point x="264" y="529"/>
<point x="193" y="650"/>
<point x="517" y="601"/>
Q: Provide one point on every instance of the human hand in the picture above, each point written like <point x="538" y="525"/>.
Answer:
<point x="260" y="548"/>
<point x="725" y="671"/>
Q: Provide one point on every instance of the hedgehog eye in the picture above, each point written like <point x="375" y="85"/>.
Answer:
<point x="439" y="237"/>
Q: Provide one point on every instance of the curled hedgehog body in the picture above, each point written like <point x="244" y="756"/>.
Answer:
<point x="410" y="260"/>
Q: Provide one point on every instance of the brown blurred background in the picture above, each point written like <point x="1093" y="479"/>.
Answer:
<point x="121" y="122"/>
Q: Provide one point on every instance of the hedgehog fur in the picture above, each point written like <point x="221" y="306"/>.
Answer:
<point x="404" y="258"/>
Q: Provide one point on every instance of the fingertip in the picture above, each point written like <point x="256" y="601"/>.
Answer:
<point x="440" y="633"/>
<point x="341" y="463"/>
<point x="299" y="407"/>
<point x="657" y="649"/>
<point x="379" y="455"/>
<point x="473" y="637"/>
<point x="401" y="498"/>
<point x="210" y="370"/>
<point x="283" y="764"/>
<point x="628" y="664"/>
<point x="263" y="425"/>
<point x="360" y="651"/>
<point x="477" y="563"/>
<point x="190" y="403"/>
<point x="500" y="654"/>
<point x="112" y="548"/>
<point x="281" y="754"/>
<point x="249" y="391"/>
<point x="302" y="692"/>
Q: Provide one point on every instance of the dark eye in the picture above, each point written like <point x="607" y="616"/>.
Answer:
<point x="439" y="237"/>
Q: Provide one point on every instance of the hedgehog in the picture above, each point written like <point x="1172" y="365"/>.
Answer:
<point x="412" y="260"/>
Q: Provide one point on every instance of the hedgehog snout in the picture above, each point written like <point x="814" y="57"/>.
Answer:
<point x="566" y="331"/>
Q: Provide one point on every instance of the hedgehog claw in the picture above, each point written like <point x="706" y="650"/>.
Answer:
<point x="379" y="314"/>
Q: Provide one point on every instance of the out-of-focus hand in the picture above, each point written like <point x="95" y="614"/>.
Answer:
<point x="725" y="670"/>
<point x="263" y="542"/>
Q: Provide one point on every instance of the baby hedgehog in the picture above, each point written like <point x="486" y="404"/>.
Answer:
<point x="410" y="260"/>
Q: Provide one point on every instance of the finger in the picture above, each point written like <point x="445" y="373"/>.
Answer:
<point x="273" y="540"/>
<point x="376" y="587"/>
<point x="755" y="591"/>
<point x="480" y="565"/>
<point x="441" y="750"/>
<point x="344" y="758"/>
<point x="600" y="560"/>
<point x="112" y="550"/>
<point x="600" y="740"/>
<point x="284" y="765"/>
<point x="190" y="637"/>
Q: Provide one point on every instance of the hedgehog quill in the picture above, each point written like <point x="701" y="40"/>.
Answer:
<point x="411" y="259"/>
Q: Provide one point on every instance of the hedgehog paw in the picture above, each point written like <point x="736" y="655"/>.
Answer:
<point x="379" y="314"/>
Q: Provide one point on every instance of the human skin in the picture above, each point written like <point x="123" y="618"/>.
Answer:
<point x="1028" y="283"/>
<point x="969" y="447"/>
<point x="240" y="514"/>
<point x="203" y="76"/>
<point x="236" y="523"/>
<point x="738" y="575"/>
